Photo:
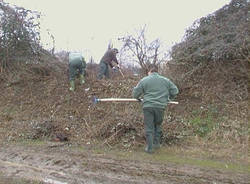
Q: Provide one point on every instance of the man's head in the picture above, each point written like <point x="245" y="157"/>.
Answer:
<point x="115" y="50"/>
<point x="152" y="68"/>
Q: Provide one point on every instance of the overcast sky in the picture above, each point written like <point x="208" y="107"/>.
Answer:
<point x="89" y="25"/>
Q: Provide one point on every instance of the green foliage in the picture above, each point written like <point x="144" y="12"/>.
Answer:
<point x="202" y="126"/>
<point x="223" y="35"/>
<point x="203" y="121"/>
<point x="19" y="34"/>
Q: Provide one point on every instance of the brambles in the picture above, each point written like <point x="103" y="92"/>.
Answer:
<point x="19" y="35"/>
<point x="221" y="36"/>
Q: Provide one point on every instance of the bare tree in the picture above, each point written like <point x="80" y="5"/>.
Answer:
<point x="142" y="52"/>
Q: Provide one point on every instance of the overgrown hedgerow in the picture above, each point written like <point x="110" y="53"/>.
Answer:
<point x="223" y="35"/>
<point x="19" y="34"/>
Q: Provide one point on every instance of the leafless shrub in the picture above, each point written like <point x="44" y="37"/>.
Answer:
<point x="140" y="51"/>
<point x="19" y="35"/>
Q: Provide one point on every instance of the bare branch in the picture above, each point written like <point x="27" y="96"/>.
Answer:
<point x="145" y="53"/>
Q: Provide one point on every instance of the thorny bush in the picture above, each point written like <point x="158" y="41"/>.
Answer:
<point x="19" y="34"/>
<point x="223" y="35"/>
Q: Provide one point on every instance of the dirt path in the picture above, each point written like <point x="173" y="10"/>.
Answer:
<point x="56" y="163"/>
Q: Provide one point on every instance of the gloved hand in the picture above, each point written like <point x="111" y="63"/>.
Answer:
<point x="172" y="97"/>
<point x="114" y="68"/>
<point x="140" y="100"/>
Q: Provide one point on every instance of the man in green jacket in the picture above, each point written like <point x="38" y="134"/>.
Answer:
<point x="77" y="65"/>
<point x="109" y="59"/>
<point x="157" y="91"/>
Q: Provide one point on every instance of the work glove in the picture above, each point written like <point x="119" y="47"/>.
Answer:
<point x="140" y="100"/>
<point x="172" y="97"/>
<point x="115" y="69"/>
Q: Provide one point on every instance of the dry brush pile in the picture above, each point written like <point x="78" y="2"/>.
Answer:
<point x="41" y="107"/>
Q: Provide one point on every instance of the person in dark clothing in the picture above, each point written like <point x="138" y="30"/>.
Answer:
<point x="157" y="91"/>
<point x="109" y="59"/>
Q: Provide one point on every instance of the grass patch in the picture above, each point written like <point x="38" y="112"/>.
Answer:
<point x="169" y="156"/>
<point x="204" y="120"/>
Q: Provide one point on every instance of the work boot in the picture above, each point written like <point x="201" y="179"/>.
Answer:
<point x="157" y="140"/>
<point x="72" y="85"/>
<point x="147" y="150"/>
<point x="156" y="146"/>
<point x="156" y="143"/>
<point x="82" y="79"/>
<point x="149" y="142"/>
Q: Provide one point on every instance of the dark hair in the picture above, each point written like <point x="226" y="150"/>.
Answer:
<point x="153" y="68"/>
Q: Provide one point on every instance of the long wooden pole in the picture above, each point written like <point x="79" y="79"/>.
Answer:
<point x="124" y="100"/>
<point x="121" y="72"/>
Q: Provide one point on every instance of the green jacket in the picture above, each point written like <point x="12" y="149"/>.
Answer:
<point x="76" y="58"/>
<point x="157" y="90"/>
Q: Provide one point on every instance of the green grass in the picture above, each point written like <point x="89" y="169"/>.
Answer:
<point x="167" y="156"/>
<point x="204" y="163"/>
<point x="204" y="121"/>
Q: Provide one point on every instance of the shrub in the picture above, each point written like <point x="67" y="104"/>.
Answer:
<point x="19" y="34"/>
<point x="223" y="35"/>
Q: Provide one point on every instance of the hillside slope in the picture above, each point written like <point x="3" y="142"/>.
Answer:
<point x="102" y="143"/>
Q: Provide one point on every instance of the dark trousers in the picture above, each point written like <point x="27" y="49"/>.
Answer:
<point x="75" y="66"/>
<point x="103" y="70"/>
<point x="153" y="118"/>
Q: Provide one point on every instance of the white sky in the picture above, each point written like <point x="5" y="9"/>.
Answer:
<point x="89" y="25"/>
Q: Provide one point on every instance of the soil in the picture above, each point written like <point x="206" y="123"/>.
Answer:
<point x="51" y="135"/>
<point x="61" y="163"/>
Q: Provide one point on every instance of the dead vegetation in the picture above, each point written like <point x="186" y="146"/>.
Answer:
<point x="220" y="36"/>
<point x="41" y="107"/>
<point x="35" y="102"/>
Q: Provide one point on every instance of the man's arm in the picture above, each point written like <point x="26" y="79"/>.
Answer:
<point x="173" y="90"/>
<point x="114" y="64"/>
<point x="138" y="90"/>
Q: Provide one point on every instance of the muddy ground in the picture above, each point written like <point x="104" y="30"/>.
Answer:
<point x="61" y="163"/>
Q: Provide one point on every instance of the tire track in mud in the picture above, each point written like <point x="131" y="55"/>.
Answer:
<point x="61" y="165"/>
